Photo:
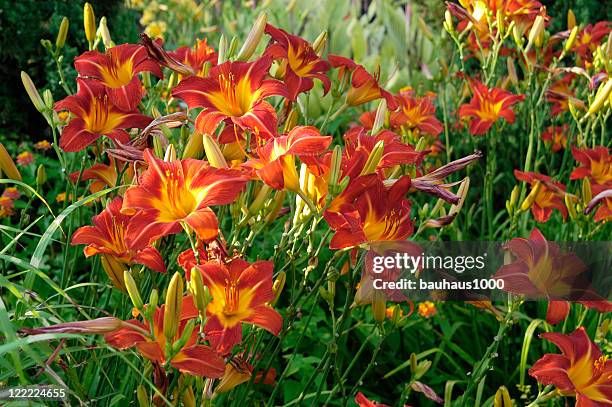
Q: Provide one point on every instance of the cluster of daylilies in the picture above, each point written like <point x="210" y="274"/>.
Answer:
<point x="244" y="153"/>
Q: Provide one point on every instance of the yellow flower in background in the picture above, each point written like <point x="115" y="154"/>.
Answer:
<point x="156" y="29"/>
<point x="42" y="145"/>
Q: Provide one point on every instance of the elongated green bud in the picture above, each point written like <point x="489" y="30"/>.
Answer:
<point x="32" y="92"/>
<point x="105" y="34"/>
<point x="197" y="289"/>
<point x="320" y="43"/>
<point x="381" y="116"/>
<point x="502" y="398"/>
<point x="41" y="175"/>
<point x="260" y="199"/>
<point x="222" y="50"/>
<point x="277" y="287"/>
<point x="174" y="303"/>
<point x="374" y="158"/>
<point x="253" y="39"/>
<point x="600" y="98"/>
<point x="213" y="152"/>
<point x="132" y="289"/>
<point x="62" y="34"/>
<point x="571" y="39"/>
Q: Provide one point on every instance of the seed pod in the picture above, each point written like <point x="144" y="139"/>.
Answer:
<point x="253" y="39"/>
<point x="62" y="34"/>
<point x="89" y="21"/>
<point x="172" y="311"/>
<point x="213" y="152"/>
<point x="132" y="289"/>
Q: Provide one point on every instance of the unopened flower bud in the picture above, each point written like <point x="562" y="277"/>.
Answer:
<point x="7" y="165"/>
<point x="158" y="148"/>
<point x="143" y="398"/>
<point x="536" y="33"/>
<point x="105" y="34"/>
<point x="499" y="18"/>
<point x="379" y="306"/>
<point x="48" y="99"/>
<point x="587" y="193"/>
<point x="260" y="199"/>
<point x="194" y="147"/>
<point x="198" y="290"/>
<point x="170" y="154"/>
<point x="213" y="152"/>
<point x="291" y="121"/>
<point x="334" y="171"/>
<point x="153" y="299"/>
<point x="41" y="175"/>
<point x="502" y="398"/>
<point x="62" y="34"/>
<point x="89" y="21"/>
<point x="448" y="22"/>
<point x="600" y="98"/>
<point x="514" y="195"/>
<point x="32" y="92"/>
<point x="185" y="336"/>
<point x="277" y="205"/>
<point x="381" y="116"/>
<point x="132" y="289"/>
<point x="320" y="43"/>
<point x="253" y="39"/>
<point x="571" y="39"/>
<point x="571" y="19"/>
<point x="512" y="71"/>
<point x="570" y="205"/>
<point x="413" y="362"/>
<point x="277" y="287"/>
<point x="374" y="158"/>
<point x="172" y="311"/>
<point x="222" y="50"/>
<point x="608" y="49"/>
<point x="528" y="202"/>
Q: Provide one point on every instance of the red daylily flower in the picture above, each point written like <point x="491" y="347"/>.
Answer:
<point x="488" y="106"/>
<point x="192" y="358"/>
<point x="179" y="191"/>
<point x="363" y="401"/>
<point x="240" y="293"/>
<point x="416" y="113"/>
<point x="368" y="212"/>
<point x="234" y="91"/>
<point x="107" y="237"/>
<point x="276" y="163"/>
<point x="560" y="93"/>
<point x="364" y="86"/>
<point x="300" y="62"/>
<point x="596" y="165"/>
<point x="196" y="56"/>
<point x="581" y="370"/>
<point x="556" y="136"/>
<point x="589" y="39"/>
<point x="117" y="69"/>
<point x="550" y="195"/>
<point x="103" y="175"/>
<point x="542" y="270"/>
<point x="96" y="116"/>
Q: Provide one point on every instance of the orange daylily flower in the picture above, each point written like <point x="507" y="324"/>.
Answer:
<point x="107" y="237"/>
<point x="192" y="358"/>
<point x="359" y="145"/>
<point x="96" y="116"/>
<point x="276" y="163"/>
<point x="300" y="62"/>
<point x="556" y="136"/>
<point x="596" y="165"/>
<point x="196" y="56"/>
<point x="117" y="69"/>
<point x="368" y="212"/>
<point x="488" y="106"/>
<point x="234" y="91"/>
<point x="560" y="93"/>
<point x="364" y="87"/>
<point x="589" y="39"/>
<point x="103" y="175"/>
<point x="240" y="292"/>
<point x="550" y="195"/>
<point x="170" y="193"/>
<point x="581" y="370"/>
<point x="416" y="113"/>
<point x="542" y="270"/>
<point x="362" y="401"/>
